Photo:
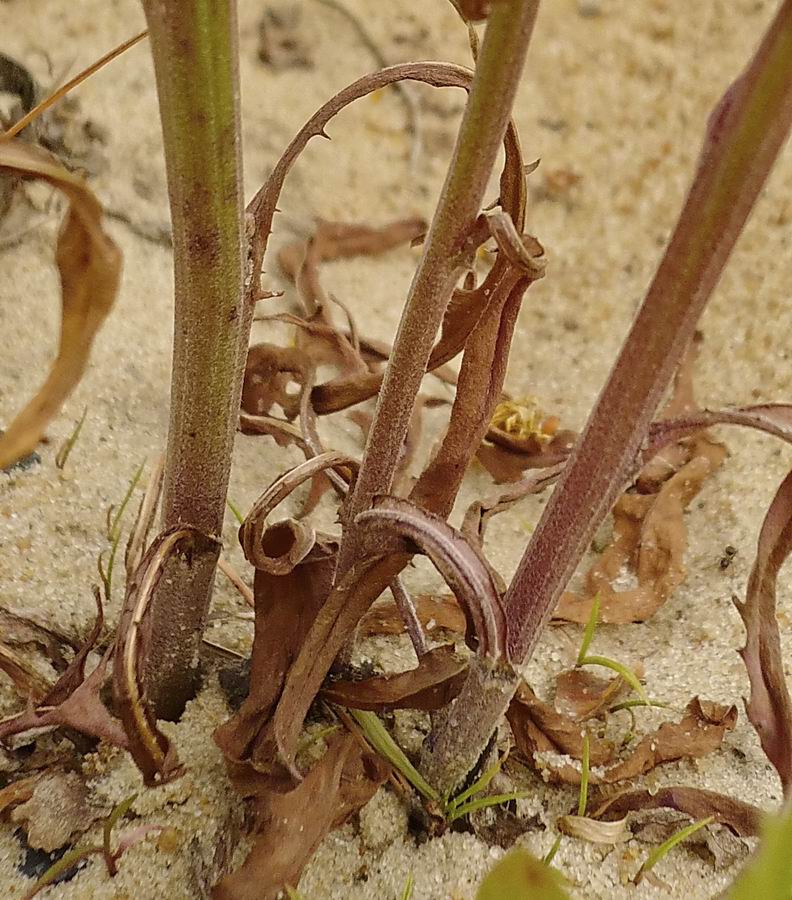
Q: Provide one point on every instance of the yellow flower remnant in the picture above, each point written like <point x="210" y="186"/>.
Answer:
<point x="523" y="418"/>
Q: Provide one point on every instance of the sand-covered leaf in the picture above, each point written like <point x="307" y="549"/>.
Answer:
<point x="521" y="876"/>
<point x="57" y="810"/>
<point x="89" y="265"/>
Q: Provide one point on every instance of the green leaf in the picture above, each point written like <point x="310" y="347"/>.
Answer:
<point x="659" y="852"/>
<point x="379" y="738"/>
<point x="520" y="876"/>
<point x="591" y="627"/>
<point x="768" y="875"/>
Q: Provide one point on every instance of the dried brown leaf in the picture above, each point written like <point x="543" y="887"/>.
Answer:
<point x="769" y="708"/>
<point x="506" y="458"/>
<point x="582" y="695"/>
<point x="268" y="373"/>
<point x="742" y="818"/>
<point x="57" y="810"/>
<point x="434" y="614"/>
<point x="74" y="701"/>
<point x="18" y="791"/>
<point x="289" y="827"/>
<point x="699" y="732"/>
<point x="27" y="680"/>
<point x="89" y="265"/>
<point x="540" y="729"/>
<point x="286" y="603"/>
<point x="435" y="681"/>
<point x="650" y="539"/>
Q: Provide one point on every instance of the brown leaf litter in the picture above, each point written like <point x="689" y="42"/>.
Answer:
<point x="89" y="265"/>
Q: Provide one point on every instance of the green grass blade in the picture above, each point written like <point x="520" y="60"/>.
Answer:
<point x="465" y="809"/>
<point x="379" y="738"/>
<point x="625" y="671"/>
<point x="477" y="787"/>
<point x="591" y="627"/>
<point x="659" y="852"/>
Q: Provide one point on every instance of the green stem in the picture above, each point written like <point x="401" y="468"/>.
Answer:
<point x="194" y="44"/>
<point x="487" y="112"/>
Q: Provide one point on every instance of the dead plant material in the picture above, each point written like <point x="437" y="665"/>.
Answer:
<point x="74" y="701"/>
<point x="286" y="605"/>
<point x="27" y="680"/>
<point x="541" y="733"/>
<point x="289" y="827"/>
<point x="434" y="683"/>
<point x="269" y="373"/>
<point x="56" y="811"/>
<point x="582" y="695"/>
<point x="743" y="819"/>
<point x="89" y="265"/>
<point x="458" y="561"/>
<point x="434" y="613"/>
<point x="466" y="306"/>
<point x="539" y="729"/>
<point x="769" y="708"/>
<point x="505" y="460"/>
<point x="649" y="539"/>
<point x="18" y="791"/>
<point x="481" y="511"/>
<point x="149" y="747"/>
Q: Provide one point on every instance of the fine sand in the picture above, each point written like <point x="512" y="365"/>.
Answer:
<point x="614" y="102"/>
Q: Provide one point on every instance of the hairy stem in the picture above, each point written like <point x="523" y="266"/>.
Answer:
<point x="746" y="131"/>
<point x="194" y="44"/>
<point x="486" y="116"/>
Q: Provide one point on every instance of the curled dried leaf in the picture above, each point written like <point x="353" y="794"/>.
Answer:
<point x="594" y="831"/>
<point x="89" y="265"/>
<point x="769" y="708"/>
<point x="541" y="734"/>
<point x="149" y="747"/>
<point x="269" y="372"/>
<point x="583" y="695"/>
<point x="254" y="528"/>
<point x="434" y="613"/>
<point x="458" y="562"/>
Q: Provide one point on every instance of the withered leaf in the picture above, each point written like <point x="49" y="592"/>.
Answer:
<point x="650" y="538"/>
<point x="268" y="373"/>
<point x="286" y="603"/>
<point x="434" y="614"/>
<point x="57" y="810"/>
<point x="507" y="464"/>
<point x="743" y="818"/>
<point x="73" y="701"/>
<point x="582" y="695"/>
<point x="769" y="708"/>
<point x="289" y="827"/>
<point x="699" y="732"/>
<point x="27" y="680"/>
<point x="434" y="683"/>
<point x="538" y="730"/>
<point x="89" y="265"/>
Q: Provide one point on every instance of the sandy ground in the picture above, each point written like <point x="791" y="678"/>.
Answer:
<point x="615" y="93"/>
